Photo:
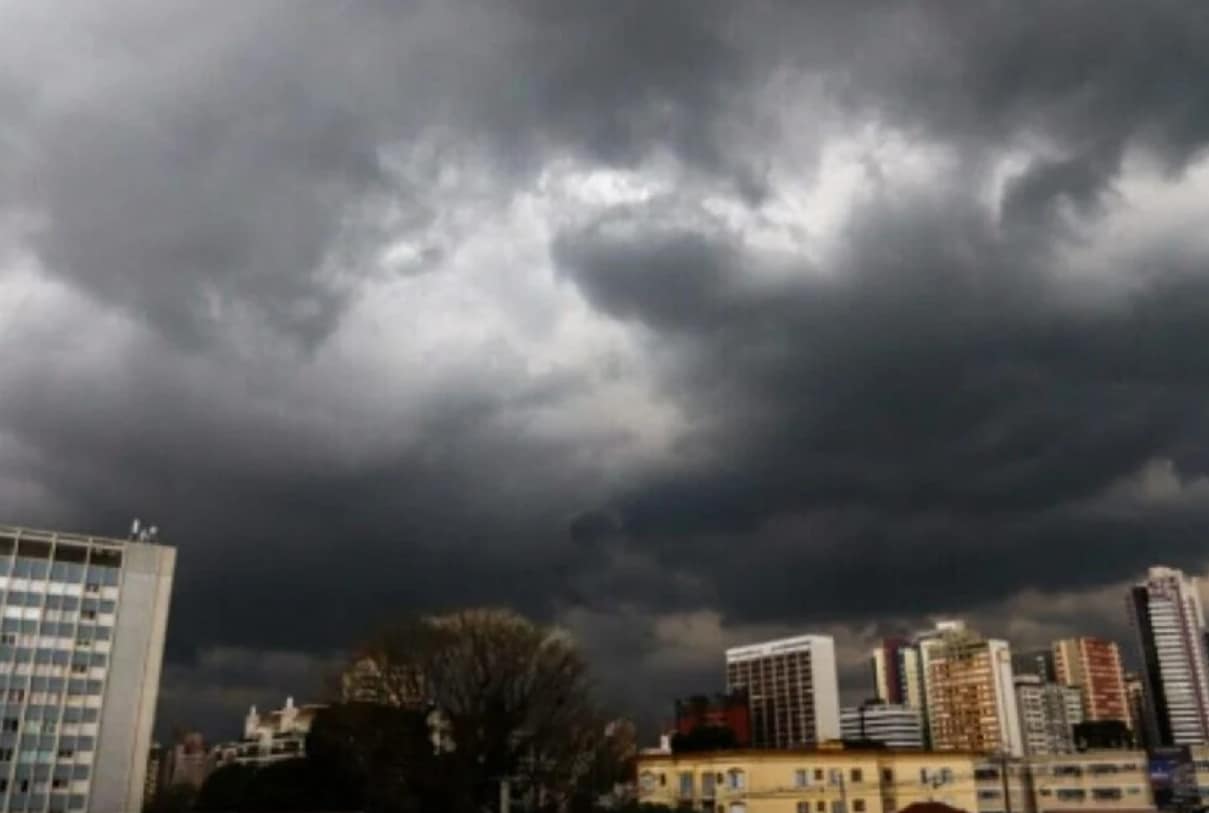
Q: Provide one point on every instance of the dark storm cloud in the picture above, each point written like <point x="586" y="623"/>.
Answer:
<point x="189" y="195"/>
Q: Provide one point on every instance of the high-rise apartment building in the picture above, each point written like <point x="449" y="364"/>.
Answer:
<point x="1169" y="621"/>
<point x="1048" y="714"/>
<point x="82" y="626"/>
<point x="1093" y="665"/>
<point x="896" y="677"/>
<point x="969" y="692"/>
<point x="892" y="724"/>
<point x="792" y="690"/>
<point x="1139" y="716"/>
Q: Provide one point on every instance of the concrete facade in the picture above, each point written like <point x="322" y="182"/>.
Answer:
<point x="792" y="690"/>
<point x="81" y="646"/>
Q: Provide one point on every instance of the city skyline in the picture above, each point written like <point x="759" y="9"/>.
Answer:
<point x="678" y="325"/>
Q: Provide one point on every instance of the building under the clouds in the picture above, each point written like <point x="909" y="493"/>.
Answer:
<point x="970" y="698"/>
<point x="792" y="690"/>
<point x="896" y="677"/>
<point x="1169" y="622"/>
<point x="893" y="725"/>
<point x="1048" y="714"/>
<point x="1094" y="666"/>
<point x="270" y="737"/>
<point x="82" y="627"/>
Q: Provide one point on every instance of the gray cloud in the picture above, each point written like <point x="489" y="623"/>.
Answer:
<point x="587" y="310"/>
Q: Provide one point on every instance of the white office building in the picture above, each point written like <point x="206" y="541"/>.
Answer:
<point x="792" y="690"/>
<point x="891" y="724"/>
<point x="1170" y="625"/>
<point x="82" y="625"/>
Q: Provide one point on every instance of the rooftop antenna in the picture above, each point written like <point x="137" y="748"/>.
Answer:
<point x="141" y="533"/>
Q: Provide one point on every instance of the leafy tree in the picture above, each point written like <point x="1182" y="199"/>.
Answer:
<point x="515" y="695"/>
<point x="378" y="757"/>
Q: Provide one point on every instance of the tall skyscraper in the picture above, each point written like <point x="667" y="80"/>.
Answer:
<point x="1169" y="621"/>
<point x="792" y="690"/>
<point x="969" y="692"/>
<point x="1048" y="714"/>
<point x="896" y="678"/>
<point x="1094" y="665"/>
<point x="82" y="625"/>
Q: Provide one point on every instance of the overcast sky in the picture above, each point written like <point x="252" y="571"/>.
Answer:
<point x="677" y="324"/>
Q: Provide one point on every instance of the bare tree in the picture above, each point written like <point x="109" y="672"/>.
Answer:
<point x="514" y="696"/>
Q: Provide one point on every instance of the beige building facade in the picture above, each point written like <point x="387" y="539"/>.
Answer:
<point x="885" y="781"/>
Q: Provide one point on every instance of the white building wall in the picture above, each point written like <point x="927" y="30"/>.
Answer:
<point x="825" y="679"/>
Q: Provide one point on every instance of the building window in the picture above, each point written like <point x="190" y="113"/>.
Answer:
<point x="986" y="774"/>
<point x="858" y="806"/>
<point x="1070" y="794"/>
<point x="836" y="776"/>
<point x="1106" y="794"/>
<point x="856" y="775"/>
<point x="801" y="778"/>
<point x="803" y="807"/>
<point x="888" y="776"/>
<point x="10" y="724"/>
<point x="818" y="774"/>
<point x="820" y="807"/>
<point x="1067" y="770"/>
<point x="988" y="794"/>
<point x="686" y="784"/>
<point x="736" y="779"/>
<point x="707" y="785"/>
<point x="1103" y="768"/>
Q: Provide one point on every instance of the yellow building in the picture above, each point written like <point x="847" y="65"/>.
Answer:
<point x="1094" y="780"/>
<point x="807" y="781"/>
<point x="833" y="780"/>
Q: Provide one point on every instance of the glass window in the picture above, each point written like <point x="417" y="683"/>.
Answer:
<point x="856" y="775"/>
<point x="801" y="778"/>
<point x="803" y="807"/>
<point x="686" y="784"/>
<point x="736" y="779"/>
<point x="858" y="806"/>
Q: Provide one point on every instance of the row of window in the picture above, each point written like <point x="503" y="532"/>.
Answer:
<point x="736" y="779"/>
<point x="1097" y="794"/>
<point x="61" y="657"/>
<point x="68" y="572"/>
<point x="1095" y="769"/>
<point x="64" y="714"/>
<point x="37" y="686"/>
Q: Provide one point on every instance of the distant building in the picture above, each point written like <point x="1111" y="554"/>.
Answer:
<point x="363" y="681"/>
<point x="188" y="763"/>
<point x="83" y="626"/>
<point x="970" y="696"/>
<point x="155" y="758"/>
<point x="896" y="676"/>
<point x="893" y="725"/>
<point x="271" y="737"/>
<point x="726" y="711"/>
<point x="884" y="781"/>
<point x="1170" y="625"/>
<point x="1048" y="714"/>
<point x="792" y="690"/>
<point x="1135" y="694"/>
<point x="1094" y="666"/>
<point x="1039" y="662"/>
